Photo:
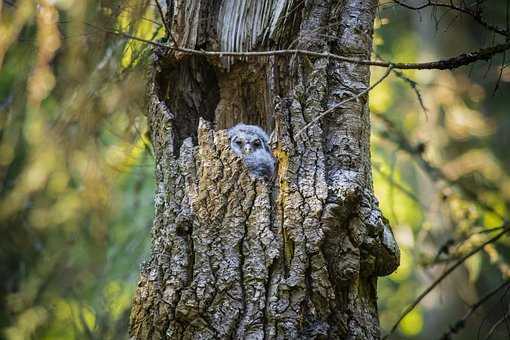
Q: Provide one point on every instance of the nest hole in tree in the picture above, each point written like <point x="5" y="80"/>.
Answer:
<point x="196" y="86"/>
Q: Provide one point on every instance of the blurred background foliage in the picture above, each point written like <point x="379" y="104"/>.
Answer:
<point x="76" y="168"/>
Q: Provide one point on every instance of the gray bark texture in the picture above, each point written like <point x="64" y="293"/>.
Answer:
<point x="235" y="257"/>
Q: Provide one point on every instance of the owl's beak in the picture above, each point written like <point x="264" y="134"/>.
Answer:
<point x="247" y="149"/>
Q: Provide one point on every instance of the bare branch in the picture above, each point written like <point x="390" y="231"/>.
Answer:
<point x="461" y="323"/>
<point x="497" y="324"/>
<point x="443" y="276"/>
<point x="443" y="64"/>
<point x="475" y="15"/>
<point x="446" y="246"/>
<point x="416" y="151"/>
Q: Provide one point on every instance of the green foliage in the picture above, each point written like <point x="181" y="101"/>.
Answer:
<point x="440" y="173"/>
<point x="76" y="177"/>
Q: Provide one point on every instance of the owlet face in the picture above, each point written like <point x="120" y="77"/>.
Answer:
<point x="246" y="143"/>
<point x="250" y="143"/>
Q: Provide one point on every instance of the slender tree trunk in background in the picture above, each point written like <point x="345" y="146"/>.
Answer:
<point x="235" y="257"/>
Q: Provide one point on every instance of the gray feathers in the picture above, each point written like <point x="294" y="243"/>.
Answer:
<point x="250" y="143"/>
<point x="260" y="163"/>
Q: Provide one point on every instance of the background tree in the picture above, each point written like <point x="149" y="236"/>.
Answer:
<point x="76" y="169"/>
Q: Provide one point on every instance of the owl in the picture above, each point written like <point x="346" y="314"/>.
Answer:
<point x="250" y="143"/>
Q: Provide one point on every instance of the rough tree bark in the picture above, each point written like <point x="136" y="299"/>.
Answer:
<point x="236" y="257"/>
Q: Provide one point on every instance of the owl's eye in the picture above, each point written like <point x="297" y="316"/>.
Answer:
<point x="257" y="143"/>
<point x="239" y="143"/>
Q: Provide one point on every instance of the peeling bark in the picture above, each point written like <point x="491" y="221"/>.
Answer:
<point x="239" y="257"/>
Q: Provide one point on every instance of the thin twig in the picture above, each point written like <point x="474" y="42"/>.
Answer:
<point x="442" y="277"/>
<point x="496" y="325"/>
<point x="461" y="323"/>
<point x="339" y="105"/>
<point x="498" y="82"/>
<point x="445" y="247"/>
<point x="167" y="28"/>
<point x="414" y="86"/>
<point x="474" y="15"/>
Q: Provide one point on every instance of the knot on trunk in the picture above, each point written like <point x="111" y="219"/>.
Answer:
<point x="380" y="252"/>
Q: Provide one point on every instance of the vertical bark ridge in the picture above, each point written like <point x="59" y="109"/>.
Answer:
<point x="358" y="233"/>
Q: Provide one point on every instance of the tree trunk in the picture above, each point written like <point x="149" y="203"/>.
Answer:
<point x="237" y="257"/>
